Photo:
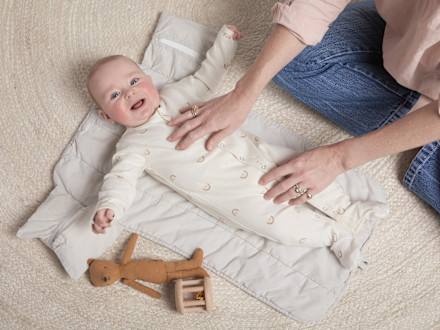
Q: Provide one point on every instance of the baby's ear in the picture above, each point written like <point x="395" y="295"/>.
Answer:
<point x="105" y="116"/>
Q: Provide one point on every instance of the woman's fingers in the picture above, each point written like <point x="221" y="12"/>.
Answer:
<point x="303" y="176"/>
<point x="277" y="173"/>
<point x="192" y="136"/>
<point x="186" y="114"/>
<point x="216" y="118"/>
<point x="302" y="198"/>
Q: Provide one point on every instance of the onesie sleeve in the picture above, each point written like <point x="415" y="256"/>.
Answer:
<point x="308" y="20"/>
<point x="119" y="185"/>
<point x="218" y="59"/>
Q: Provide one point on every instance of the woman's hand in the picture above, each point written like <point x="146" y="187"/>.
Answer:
<point x="315" y="169"/>
<point x="221" y="116"/>
<point x="311" y="171"/>
<point x="218" y="117"/>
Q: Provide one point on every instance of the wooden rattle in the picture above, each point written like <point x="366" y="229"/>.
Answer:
<point x="193" y="295"/>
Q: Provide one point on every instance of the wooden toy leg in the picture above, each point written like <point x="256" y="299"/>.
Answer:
<point x="186" y="291"/>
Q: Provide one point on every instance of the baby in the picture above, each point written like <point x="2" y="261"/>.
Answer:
<point x="223" y="182"/>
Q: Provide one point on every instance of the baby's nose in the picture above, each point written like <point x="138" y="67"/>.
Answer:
<point x="129" y="93"/>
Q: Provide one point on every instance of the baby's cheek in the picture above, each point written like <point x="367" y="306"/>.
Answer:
<point x="121" y="116"/>
<point x="152" y="92"/>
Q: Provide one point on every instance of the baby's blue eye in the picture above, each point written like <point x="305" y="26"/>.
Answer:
<point x="134" y="81"/>
<point x="115" y="95"/>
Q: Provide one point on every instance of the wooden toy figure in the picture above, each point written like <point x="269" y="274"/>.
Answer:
<point x="105" y="272"/>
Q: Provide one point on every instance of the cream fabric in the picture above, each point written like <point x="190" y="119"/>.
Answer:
<point x="224" y="182"/>
<point x="46" y="51"/>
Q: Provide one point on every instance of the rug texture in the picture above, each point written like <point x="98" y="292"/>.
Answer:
<point x="47" y="48"/>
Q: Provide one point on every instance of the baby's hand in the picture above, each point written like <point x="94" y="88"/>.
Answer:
<point x="237" y="35"/>
<point x="102" y="220"/>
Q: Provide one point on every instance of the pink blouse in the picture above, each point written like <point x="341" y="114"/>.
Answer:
<point x="411" y="44"/>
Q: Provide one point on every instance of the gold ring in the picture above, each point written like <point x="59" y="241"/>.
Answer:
<point x="194" y="111"/>
<point x="299" y="191"/>
<point x="309" y="196"/>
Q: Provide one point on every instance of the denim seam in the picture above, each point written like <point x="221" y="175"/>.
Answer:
<point x="323" y="60"/>
<point x="414" y="167"/>
<point x="376" y="80"/>
<point x="397" y="113"/>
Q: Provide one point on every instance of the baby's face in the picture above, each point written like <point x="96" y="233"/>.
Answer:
<point x="124" y="92"/>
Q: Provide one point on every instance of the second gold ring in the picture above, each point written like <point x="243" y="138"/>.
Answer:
<point x="298" y="190"/>
<point x="194" y="111"/>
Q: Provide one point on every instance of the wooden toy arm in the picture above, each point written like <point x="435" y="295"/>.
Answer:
<point x="129" y="249"/>
<point x="142" y="288"/>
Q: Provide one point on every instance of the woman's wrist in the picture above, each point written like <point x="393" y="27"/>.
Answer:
<point x="245" y="89"/>
<point x="243" y="96"/>
<point x="348" y="154"/>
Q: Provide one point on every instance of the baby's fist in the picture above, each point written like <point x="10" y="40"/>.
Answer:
<point x="237" y="35"/>
<point x="102" y="220"/>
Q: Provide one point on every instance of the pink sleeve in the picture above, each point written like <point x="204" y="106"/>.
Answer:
<point x="308" y="20"/>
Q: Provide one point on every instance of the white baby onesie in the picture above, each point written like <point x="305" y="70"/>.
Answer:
<point x="224" y="182"/>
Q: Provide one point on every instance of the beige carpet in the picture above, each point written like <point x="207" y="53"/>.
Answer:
<point x="46" y="50"/>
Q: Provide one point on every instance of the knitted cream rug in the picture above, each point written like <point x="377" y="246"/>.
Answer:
<point x="46" y="50"/>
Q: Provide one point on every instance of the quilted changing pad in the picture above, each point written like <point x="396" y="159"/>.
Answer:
<point x="303" y="283"/>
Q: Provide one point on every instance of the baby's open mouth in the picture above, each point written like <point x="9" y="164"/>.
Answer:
<point x="137" y="105"/>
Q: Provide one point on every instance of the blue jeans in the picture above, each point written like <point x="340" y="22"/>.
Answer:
<point x="344" y="79"/>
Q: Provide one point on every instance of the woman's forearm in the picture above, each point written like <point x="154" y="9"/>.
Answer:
<point x="281" y="47"/>
<point x="414" y="130"/>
